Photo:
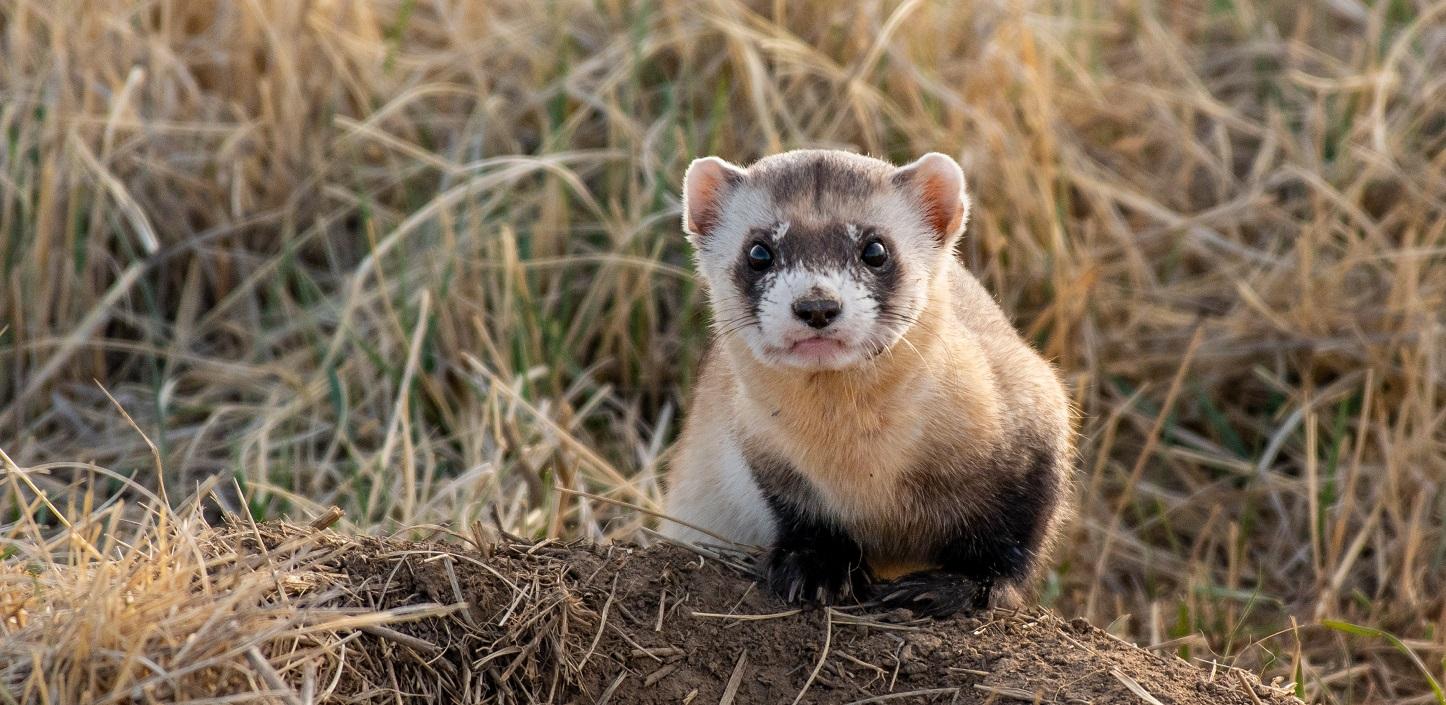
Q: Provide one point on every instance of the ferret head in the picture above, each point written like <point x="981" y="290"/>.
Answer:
<point x="821" y="259"/>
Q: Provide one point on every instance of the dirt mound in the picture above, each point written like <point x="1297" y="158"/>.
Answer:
<point x="575" y="623"/>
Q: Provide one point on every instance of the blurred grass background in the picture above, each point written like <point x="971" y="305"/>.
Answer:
<point x="421" y="259"/>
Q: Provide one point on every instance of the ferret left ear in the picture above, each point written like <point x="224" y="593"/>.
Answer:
<point x="936" y="184"/>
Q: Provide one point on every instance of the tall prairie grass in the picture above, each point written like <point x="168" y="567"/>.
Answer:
<point x="420" y="259"/>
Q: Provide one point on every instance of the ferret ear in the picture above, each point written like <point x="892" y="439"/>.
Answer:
<point x="706" y="186"/>
<point x="936" y="183"/>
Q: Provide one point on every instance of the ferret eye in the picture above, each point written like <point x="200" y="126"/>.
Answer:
<point x="875" y="254"/>
<point x="759" y="257"/>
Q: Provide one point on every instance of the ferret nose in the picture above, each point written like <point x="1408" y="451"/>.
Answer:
<point x="817" y="312"/>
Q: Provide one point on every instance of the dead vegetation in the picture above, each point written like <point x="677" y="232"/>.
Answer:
<point x="297" y="614"/>
<point x="419" y="259"/>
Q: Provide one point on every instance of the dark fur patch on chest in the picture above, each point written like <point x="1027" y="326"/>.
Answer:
<point x="790" y="495"/>
<point x="1005" y="509"/>
<point x="984" y="521"/>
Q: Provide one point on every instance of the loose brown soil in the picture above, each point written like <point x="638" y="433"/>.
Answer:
<point x="583" y="624"/>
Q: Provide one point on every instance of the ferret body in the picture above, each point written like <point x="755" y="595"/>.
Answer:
<point x="865" y="409"/>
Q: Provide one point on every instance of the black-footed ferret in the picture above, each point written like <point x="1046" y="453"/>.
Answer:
<point x="865" y="409"/>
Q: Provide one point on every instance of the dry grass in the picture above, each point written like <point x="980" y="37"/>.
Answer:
<point x="275" y="614"/>
<point x="420" y="259"/>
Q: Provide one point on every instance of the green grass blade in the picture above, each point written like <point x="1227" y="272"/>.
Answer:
<point x="1374" y="633"/>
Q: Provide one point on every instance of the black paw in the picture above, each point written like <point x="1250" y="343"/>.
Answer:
<point x="935" y="594"/>
<point x="809" y="575"/>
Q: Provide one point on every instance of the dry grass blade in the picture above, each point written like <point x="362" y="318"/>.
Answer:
<point x="735" y="679"/>
<point x="331" y="516"/>
<point x="997" y="692"/>
<point x="746" y="617"/>
<point x="652" y="678"/>
<point x="607" y="695"/>
<point x="1135" y="687"/>
<point x="271" y="677"/>
<point x="1247" y="687"/>
<point x="921" y="693"/>
<point x="822" y="654"/>
<point x="419" y="645"/>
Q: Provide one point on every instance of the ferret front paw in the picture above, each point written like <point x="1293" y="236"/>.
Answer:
<point x="809" y="575"/>
<point x="935" y="594"/>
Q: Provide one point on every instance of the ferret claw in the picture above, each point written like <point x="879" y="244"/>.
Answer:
<point x="794" y="574"/>
<point x="935" y="594"/>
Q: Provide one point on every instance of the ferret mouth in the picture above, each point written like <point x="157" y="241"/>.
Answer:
<point x="817" y="352"/>
<point x="811" y="352"/>
<point x="816" y="346"/>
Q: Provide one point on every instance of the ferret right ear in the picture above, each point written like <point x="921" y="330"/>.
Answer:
<point x="706" y="186"/>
